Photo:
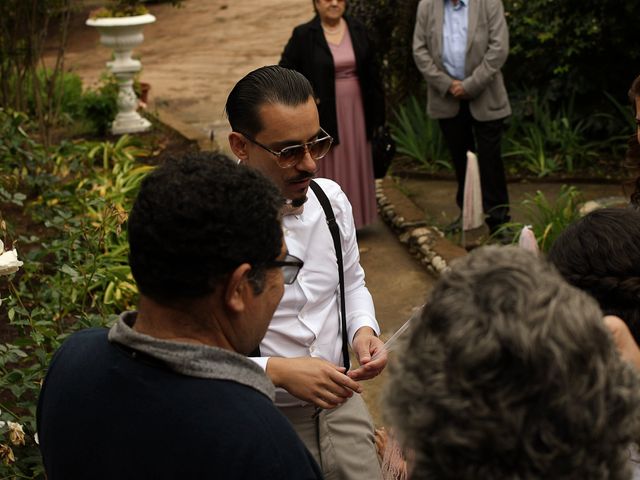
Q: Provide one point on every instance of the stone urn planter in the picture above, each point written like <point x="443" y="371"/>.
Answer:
<point x="123" y="34"/>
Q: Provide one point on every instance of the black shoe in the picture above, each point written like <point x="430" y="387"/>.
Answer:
<point x="453" y="227"/>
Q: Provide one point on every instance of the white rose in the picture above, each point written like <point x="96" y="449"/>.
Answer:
<point x="16" y="433"/>
<point x="9" y="262"/>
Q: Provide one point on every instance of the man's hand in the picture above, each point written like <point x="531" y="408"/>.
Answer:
<point x="313" y="380"/>
<point x="457" y="90"/>
<point x="365" y="345"/>
<point x="627" y="346"/>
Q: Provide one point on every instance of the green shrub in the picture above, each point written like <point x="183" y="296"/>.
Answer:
<point x="548" y="219"/>
<point x="390" y="24"/>
<point x="594" y="45"/>
<point x="419" y="136"/>
<point x="544" y="139"/>
<point x="75" y="275"/>
<point x="23" y="160"/>
<point x="67" y="90"/>
<point x="100" y="106"/>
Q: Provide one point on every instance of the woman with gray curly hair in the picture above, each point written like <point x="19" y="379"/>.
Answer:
<point x="510" y="373"/>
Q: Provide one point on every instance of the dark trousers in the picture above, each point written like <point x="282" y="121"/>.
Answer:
<point x="463" y="133"/>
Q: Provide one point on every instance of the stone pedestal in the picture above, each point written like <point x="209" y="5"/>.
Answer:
<point x="122" y="35"/>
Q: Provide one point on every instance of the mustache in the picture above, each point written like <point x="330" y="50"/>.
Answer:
<point x="303" y="176"/>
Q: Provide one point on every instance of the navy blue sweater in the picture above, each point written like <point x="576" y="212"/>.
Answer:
<point x="106" y="412"/>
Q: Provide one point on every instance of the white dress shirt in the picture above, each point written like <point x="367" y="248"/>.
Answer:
<point x="307" y="321"/>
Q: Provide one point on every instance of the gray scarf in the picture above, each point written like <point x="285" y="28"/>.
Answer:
<point x="193" y="360"/>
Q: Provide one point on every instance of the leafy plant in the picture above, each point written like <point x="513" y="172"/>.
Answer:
<point x="67" y="89"/>
<point x="548" y="219"/>
<point x="22" y="158"/>
<point x="75" y="275"/>
<point x="592" y="40"/>
<point x="624" y="113"/>
<point x="390" y="24"/>
<point x="532" y="149"/>
<point x="418" y="136"/>
<point x="548" y="139"/>
<point x="26" y="26"/>
<point x="99" y="106"/>
<point x="124" y="8"/>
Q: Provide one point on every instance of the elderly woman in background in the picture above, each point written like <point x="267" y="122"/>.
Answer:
<point x="334" y="52"/>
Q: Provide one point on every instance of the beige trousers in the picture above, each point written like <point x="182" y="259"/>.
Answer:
<point x="341" y="439"/>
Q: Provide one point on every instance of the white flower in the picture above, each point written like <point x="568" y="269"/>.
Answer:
<point x="36" y="439"/>
<point x="16" y="433"/>
<point x="6" y="454"/>
<point x="9" y="262"/>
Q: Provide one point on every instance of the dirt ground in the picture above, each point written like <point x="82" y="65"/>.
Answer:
<point x="436" y="198"/>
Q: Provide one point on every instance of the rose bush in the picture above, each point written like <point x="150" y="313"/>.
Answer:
<point x="74" y="274"/>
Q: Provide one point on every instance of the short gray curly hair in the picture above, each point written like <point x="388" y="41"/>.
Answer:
<point x="510" y="373"/>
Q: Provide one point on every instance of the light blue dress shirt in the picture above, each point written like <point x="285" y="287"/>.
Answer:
<point x="454" y="37"/>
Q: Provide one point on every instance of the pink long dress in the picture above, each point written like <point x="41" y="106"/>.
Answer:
<point x="349" y="163"/>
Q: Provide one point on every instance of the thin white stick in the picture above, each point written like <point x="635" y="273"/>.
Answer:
<point x="391" y="344"/>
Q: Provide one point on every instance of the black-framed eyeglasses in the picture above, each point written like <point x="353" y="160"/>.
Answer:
<point x="290" y="267"/>
<point x="294" y="154"/>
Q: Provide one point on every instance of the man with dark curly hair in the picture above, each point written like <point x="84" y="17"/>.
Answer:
<point x="510" y="373"/>
<point x="168" y="392"/>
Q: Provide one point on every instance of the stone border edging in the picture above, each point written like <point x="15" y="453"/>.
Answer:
<point x="425" y="242"/>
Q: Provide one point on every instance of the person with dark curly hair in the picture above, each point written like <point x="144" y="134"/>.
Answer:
<point x="168" y="392"/>
<point x="511" y="373"/>
<point x="600" y="254"/>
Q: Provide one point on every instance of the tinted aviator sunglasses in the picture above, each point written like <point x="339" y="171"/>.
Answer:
<point x="294" y="154"/>
<point x="290" y="267"/>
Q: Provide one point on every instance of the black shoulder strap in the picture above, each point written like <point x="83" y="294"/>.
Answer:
<point x="335" y="234"/>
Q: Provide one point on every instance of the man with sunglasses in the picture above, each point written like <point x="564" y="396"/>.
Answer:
<point x="168" y="391"/>
<point x="276" y="129"/>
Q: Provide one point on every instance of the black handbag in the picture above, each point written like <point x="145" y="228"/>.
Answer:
<point x="383" y="149"/>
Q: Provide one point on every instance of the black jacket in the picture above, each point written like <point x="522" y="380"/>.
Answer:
<point x="308" y="52"/>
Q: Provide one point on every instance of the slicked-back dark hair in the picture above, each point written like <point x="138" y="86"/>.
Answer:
<point x="196" y="218"/>
<point x="600" y="254"/>
<point x="266" y="85"/>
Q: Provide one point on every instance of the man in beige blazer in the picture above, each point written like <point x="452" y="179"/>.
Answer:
<point x="460" y="46"/>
